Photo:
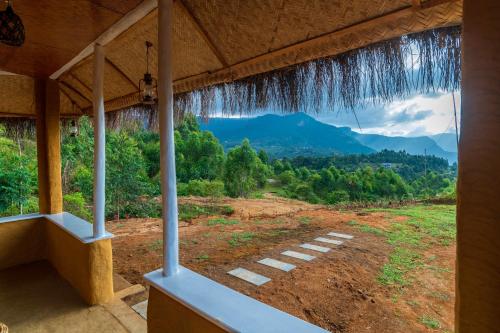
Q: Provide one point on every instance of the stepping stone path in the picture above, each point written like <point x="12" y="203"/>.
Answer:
<point x="328" y="240"/>
<point x="298" y="255"/>
<point x="141" y="308"/>
<point x="258" y="279"/>
<point x="334" y="234"/>
<point x="314" y="247"/>
<point x="249" y="276"/>
<point x="277" y="264"/>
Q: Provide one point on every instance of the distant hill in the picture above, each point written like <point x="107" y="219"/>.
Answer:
<point x="291" y="135"/>
<point x="301" y="135"/>
<point x="447" y="141"/>
<point x="412" y="145"/>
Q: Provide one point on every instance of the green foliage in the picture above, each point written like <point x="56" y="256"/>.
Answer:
<point x="156" y="245"/>
<point x="238" y="239"/>
<point x="305" y="220"/>
<point x="243" y="171"/>
<point x="430" y="322"/>
<point x="338" y="196"/>
<point x="18" y="174"/>
<point x="198" y="153"/>
<point x="74" y="203"/>
<point x="222" y="221"/>
<point x="263" y="156"/>
<point x="203" y="188"/>
<point x="287" y="177"/>
<point x="426" y="225"/>
<point x="133" y="172"/>
<point x="188" y="212"/>
<point x="202" y="257"/>
<point x="126" y="177"/>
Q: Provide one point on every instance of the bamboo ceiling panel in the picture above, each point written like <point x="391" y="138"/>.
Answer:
<point x="56" y="31"/>
<point x="214" y="41"/>
<point x="18" y="97"/>
<point x="246" y="29"/>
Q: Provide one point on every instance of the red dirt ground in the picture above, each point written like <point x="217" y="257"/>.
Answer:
<point x="337" y="291"/>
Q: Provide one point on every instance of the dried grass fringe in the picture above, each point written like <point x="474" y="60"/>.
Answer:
<point x="378" y="73"/>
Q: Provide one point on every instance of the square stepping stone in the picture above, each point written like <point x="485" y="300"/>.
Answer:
<point x="335" y="234"/>
<point x="141" y="308"/>
<point x="277" y="264"/>
<point x="328" y="240"/>
<point x="315" y="247"/>
<point x="249" y="276"/>
<point x="298" y="255"/>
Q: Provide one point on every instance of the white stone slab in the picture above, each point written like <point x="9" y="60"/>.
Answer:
<point x="328" y="240"/>
<point x="249" y="276"/>
<point x="277" y="264"/>
<point x="141" y="308"/>
<point x="314" y="247"/>
<point x="334" y="234"/>
<point x="298" y="255"/>
<point x="216" y="303"/>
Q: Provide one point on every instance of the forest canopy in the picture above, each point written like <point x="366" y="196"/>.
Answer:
<point x="204" y="169"/>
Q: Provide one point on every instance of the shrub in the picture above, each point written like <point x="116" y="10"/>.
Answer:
<point x="182" y="189"/>
<point x="74" y="203"/>
<point x="144" y="207"/>
<point x="286" y="177"/>
<point x="205" y="188"/>
<point x="337" y="197"/>
<point x="305" y="192"/>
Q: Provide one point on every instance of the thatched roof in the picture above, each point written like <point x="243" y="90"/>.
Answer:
<point x="286" y="54"/>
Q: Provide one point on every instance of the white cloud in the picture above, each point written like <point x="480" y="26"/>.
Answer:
<point x="415" y="116"/>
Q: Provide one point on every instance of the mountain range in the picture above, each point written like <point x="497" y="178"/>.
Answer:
<point x="299" y="134"/>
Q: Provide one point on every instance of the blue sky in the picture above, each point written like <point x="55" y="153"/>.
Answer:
<point x="418" y="115"/>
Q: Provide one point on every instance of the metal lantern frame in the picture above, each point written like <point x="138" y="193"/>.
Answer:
<point x="12" y="30"/>
<point x="148" y="81"/>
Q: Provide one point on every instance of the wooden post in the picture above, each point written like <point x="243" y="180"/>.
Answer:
<point x="167" y="147"/>
<point x="478" y="210"/>
<point x="99" y="143"/>
<point x="48" y="139"/>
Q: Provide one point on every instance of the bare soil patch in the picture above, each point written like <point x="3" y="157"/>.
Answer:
<point x="338" y="291"/>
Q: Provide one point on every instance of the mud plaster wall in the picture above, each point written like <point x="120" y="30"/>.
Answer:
<point x="88" y="267"/>
<point x="166" y="315"/>
<point x="478" y="209"/>
<point x="21" y="242"/>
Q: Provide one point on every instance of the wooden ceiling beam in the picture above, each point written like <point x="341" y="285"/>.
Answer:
<point x="111" y="33"/>
<point x="122" y="74"/>
<point x="203" y="33"/>
<point x="71" y="100"/>
<point x="77" y="79"/>
<point x="75" y="91"/>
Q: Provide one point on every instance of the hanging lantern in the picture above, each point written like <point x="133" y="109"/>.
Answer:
<point x="147" y="86"/>
<point x="73" y="128"/>
<point x="11" y="27"/>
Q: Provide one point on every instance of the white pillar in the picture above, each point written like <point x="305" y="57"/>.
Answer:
<point x="167" y="146"/>
<point x="99" y="142"/>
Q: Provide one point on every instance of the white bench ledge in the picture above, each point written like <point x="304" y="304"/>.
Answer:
<point x="74" y="225"/>
<point x="225" y="307"/>
<point x="20" y="217"/>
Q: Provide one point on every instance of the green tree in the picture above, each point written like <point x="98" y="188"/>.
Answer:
<point x="263" y="156"/>
<point x="18" y="177"/>
<point x="241" y="170"/>
<point x="126" y="177"/>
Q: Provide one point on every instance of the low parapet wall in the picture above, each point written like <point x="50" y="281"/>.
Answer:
<point x="187" y="302"/>
<point x="66" y="242"/>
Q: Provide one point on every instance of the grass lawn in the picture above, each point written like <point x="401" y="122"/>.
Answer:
<point x="425" y="226"/>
